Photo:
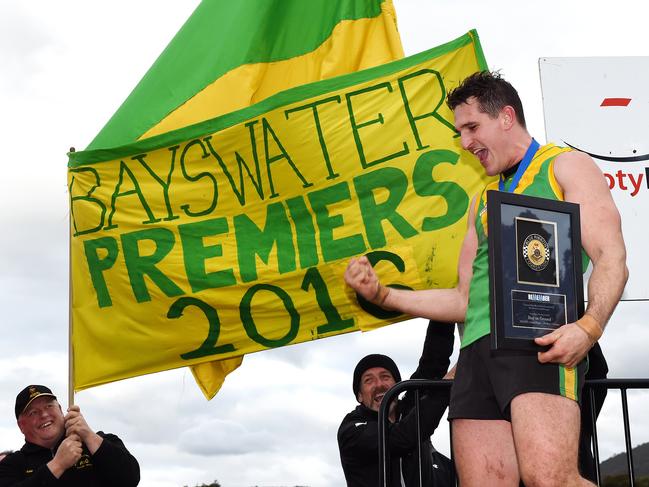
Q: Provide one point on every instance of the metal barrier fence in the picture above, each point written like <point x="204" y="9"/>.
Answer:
<point x="421" y="385"/>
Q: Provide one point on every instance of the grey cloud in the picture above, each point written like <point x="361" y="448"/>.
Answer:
<point x="23" y="36"/>
<point x="625" y="340"/>
<point x="219" y="437"/>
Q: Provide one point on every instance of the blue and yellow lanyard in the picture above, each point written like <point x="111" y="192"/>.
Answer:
<point x="522" y="167"/>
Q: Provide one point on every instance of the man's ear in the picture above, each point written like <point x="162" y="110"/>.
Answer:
<point x="359" y="398"/>
<point x="508" y="115"/>
<point x="20" y="426"/>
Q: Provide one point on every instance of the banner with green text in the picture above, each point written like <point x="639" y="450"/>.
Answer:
<point x="231" y="236"/>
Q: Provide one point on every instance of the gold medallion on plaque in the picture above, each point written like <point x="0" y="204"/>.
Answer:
<point x="536" y="252"/>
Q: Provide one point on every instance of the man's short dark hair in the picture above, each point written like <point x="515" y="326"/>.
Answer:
<point x="491" y="91"/>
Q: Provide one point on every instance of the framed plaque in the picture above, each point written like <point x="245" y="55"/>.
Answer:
<point x="535" y="270"/>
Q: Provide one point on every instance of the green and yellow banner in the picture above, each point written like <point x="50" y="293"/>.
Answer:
<point x="230" y="55"/>
<point x="231" y="236"/>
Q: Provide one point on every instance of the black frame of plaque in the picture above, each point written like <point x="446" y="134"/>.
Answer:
<point x="505" y="334"/>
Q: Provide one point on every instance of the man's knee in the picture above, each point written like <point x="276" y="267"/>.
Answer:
<point x="484" y="453"/>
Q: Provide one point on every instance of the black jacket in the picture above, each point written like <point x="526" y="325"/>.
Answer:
<point x="358" y="433"/>
<point x="110" y="466"/>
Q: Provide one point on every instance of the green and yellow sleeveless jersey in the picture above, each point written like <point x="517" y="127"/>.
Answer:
<point x="538" y="180"/>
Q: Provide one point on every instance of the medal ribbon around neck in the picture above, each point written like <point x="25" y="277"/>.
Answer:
<point x="522" y="167"/>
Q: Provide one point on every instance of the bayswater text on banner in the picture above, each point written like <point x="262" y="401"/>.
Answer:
<point x="231" y="236"/>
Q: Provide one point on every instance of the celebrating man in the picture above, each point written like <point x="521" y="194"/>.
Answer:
<point x="516" y="415"/>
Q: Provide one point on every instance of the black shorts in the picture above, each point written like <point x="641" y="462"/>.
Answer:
<point x="486" y="382"/>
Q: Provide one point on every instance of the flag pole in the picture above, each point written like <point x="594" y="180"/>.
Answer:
<point x="70" y="346"/>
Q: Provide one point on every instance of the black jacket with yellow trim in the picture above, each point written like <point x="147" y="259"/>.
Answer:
<point x="111" y="465"/>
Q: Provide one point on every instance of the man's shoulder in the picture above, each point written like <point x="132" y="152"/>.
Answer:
<point x="14" y="458"/>
<point x="32" y="450"/>
<point x="354" y="428"/>
<point x="354" y="414"/>
<point x="573" y="155"/>
<point x="576" y="169"/>
<point x="24" y="461"/>
<point x="359" y="416"/>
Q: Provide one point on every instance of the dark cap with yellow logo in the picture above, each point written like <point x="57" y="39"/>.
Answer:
<point x="28" y="394"/>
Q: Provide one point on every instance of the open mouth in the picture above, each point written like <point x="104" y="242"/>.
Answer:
<point x="481" y="154"/>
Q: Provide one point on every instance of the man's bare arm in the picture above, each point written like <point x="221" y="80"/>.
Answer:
<point x="448" y="305"/>
<point x="601" y="235"/>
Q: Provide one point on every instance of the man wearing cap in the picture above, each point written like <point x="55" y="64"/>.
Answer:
<point x="358" y="432"/>
<point x="62" y="450"/>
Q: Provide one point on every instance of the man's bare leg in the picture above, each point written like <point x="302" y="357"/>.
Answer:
<point x="484" y="453"/>
<point x="546" y="436"/>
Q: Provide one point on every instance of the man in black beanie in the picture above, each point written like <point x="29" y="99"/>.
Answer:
<point x="358" y="432"/>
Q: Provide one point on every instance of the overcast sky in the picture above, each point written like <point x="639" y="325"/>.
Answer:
<point x="65" y="67"/>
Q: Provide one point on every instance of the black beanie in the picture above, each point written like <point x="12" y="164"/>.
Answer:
<point x="374" y="360"/>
